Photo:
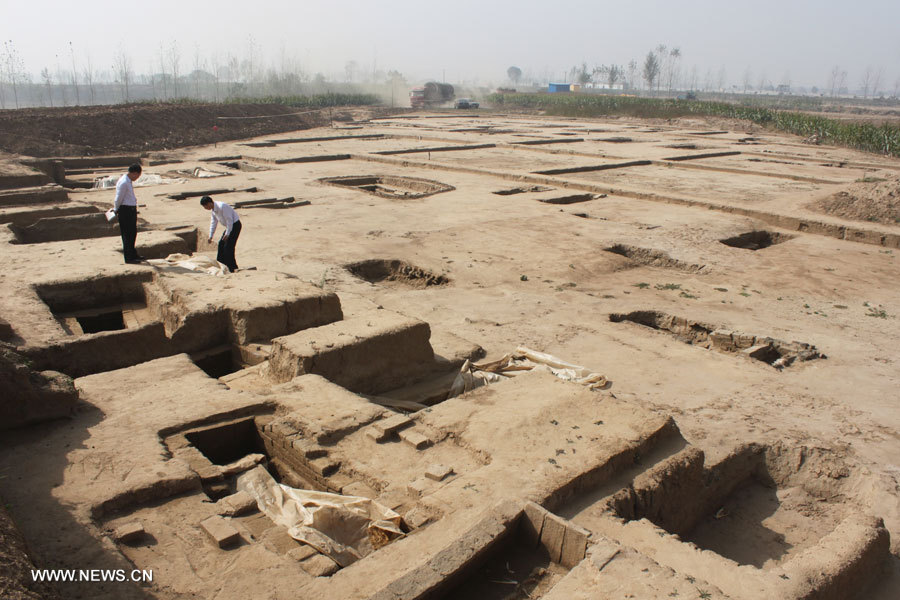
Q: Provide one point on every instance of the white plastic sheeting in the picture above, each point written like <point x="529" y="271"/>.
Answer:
<point x="199" y="263"/>
<point x="344" y="528"/>
<point x="475" y="375"/>
<point x="109" y="182"/>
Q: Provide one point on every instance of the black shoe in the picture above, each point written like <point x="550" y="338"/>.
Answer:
<point x="139" y="258"/>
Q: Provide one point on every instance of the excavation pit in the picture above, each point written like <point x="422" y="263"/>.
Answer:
<point x="524" y="557"/>
<point x="572" y="199"/>
<point x="760" y="506"/>
<point x="397" y="272"/>
<point x="774" y="352"/>
<point x="653" y="258"/>
<point x="219" y="361"/>
<point x="64" y="228"/>
<point x="757" y="240"/>
<point x="97" y="305"/>
<point x="392" y="187"/>
<point x="523" y="189"/>
<point x="227" y="443"/>
<point x="220" y="452"/>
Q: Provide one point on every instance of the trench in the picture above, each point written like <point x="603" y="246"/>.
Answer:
<point x="771" y="351"/>
<point x="392" y="187"/>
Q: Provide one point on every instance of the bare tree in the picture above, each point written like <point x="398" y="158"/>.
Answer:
<point x="350" y="69"/>
<point x="836" y="80"/>
<point x="613" y="75"/>
<point x="217" y="73"/>
<point x="88" y="76"/>
<point x="651" y="69"/>
<point x="122" y="69"/>
<point x="876" y="81"/>
<point x="763" y="81"/>
<point x="48" y="82"/>
<point x="12" y="67"/>
<point x="748" y="77"/>
<point x="672" y="68"/>
<point x="161" y="57"/>
<point x="174" y="63"/>
<point x="692" y="83"/>
<point x="74" y="74"/>
<point x="251" y="55"/>
<point x="660" y="61"/>
<point x="866" y="82"/>
<point x="632" y="73"/>
<point x="197" y="66"/>
<point x="720" y="78"/>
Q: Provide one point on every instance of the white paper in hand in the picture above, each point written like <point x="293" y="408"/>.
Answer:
<point x="111" y="215"/>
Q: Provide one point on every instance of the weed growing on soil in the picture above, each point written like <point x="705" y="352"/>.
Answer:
<point x="878" y="313"/>
<point x="643" y="285"/>
<point x="668" y="286"/>
<point x="721" y="289"/>
<point x="687" y="295"/>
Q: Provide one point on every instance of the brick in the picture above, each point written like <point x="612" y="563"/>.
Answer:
<point x="319" y="566"/>
<point x="552" y="535"/>
<point x="302" y="552"/>
<point x="243" y="464"/>
<point x="377" y="434"/>
<point x="419" y="487"/>
<point x="392" y="424"/>
<point x="221" y="531"/>
<point x="415" y="439"/>
<point x="438" y="472"/>
<point x="324" y="466"/>
<point x="309" y="449"/>
<point x="129" y="532"/>
<point x="417" y="517"/>
<point x="574" y="545"/>
<point x="532" y="523"/>
<point x="236" y="505"/>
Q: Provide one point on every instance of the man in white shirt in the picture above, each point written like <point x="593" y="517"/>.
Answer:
<point x="222" y="213"/>
<point x="125" y="206"/>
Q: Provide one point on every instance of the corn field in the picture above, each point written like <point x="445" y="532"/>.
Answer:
<point x="881" y="139"/>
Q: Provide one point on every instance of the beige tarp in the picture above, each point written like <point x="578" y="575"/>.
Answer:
<point x="474" y="375"/>
<point x="184" y="262"/>
<point x="344" y="528"/>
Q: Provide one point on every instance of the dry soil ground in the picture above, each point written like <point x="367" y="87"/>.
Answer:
<point x="679" y="261"/>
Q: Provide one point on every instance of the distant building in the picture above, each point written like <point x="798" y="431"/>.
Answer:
<point x="559" y="87"/>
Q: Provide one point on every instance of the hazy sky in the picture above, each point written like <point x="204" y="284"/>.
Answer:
<point x="468" y="39"/>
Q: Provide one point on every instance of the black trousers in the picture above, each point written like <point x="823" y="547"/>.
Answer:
<point x="127" y="216"/>
<point x="226" y="247"/>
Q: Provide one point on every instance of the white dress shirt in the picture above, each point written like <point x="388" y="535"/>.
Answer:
<point x="125" y="192"/>
<point x="224" y="213"/>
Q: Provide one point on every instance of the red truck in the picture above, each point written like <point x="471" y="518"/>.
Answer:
<point x="431" y="94"/>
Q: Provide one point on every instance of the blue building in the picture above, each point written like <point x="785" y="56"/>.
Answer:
<point x="559" y="87"/>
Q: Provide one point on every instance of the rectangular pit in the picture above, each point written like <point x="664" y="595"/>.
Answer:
<point x="507" y="554"/>
<point x="774" y="352"/>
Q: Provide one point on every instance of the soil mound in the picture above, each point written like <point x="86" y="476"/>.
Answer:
<point x="93" y="130"/>
<point x="873" y="199"/>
